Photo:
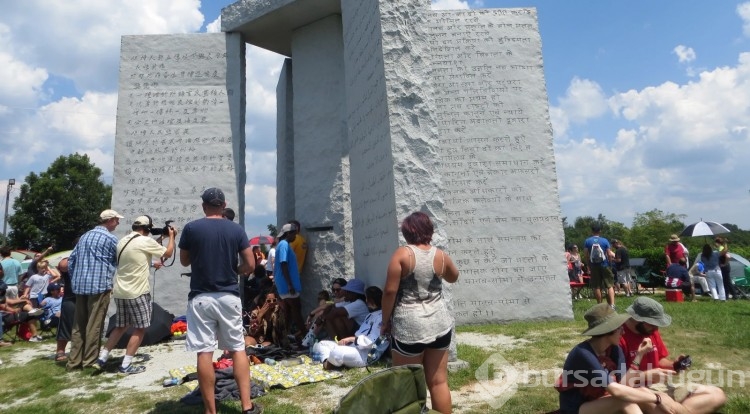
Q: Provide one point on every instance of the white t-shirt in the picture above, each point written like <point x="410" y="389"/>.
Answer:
<point x="270" y="259"/>
<point x="131" y="278"/>
<point x="38" y="284"/>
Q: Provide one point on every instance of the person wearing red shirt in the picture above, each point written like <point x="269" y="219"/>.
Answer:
<point x="653" y="367"/>
<point x="675" y="250"/>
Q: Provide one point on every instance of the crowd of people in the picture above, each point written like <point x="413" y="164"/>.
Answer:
<point x="610" y="271"/>
<point x="625" y="362"/>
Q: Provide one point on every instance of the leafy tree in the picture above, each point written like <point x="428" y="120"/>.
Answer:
<point x="581" y="229"/>
<point x="652" y="228"/>
<point x="58" y="205"/>
<point x="272" y="230"/>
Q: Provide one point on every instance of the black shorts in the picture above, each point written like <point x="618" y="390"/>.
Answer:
<point x="67" y="314"/>
<point x="410" y="350"/>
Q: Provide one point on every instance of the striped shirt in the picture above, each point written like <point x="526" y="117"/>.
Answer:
<point x="93" y="262"/>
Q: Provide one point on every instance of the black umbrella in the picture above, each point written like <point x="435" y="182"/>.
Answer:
<point x="704" y="228"/>
<point x="160" y="329"/>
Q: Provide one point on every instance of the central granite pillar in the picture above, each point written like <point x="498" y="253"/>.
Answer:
<point x="386" y="107"/>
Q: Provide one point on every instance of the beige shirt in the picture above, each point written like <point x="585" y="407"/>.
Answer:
<point x="131" y="278"/>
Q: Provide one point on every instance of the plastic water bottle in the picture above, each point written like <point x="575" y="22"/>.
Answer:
<point x="269" y="361"/>
<point x="171" y="382"/>
<point x="315" y="354"/>
<point x="290" y="362"/>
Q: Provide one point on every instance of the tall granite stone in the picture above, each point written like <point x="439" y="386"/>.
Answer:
<point x="180" y="129"/>
<point x="444" y="112"/>
<point x="497" y="163"/>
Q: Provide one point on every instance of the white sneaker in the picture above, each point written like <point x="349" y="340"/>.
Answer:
<point x="36" y="312"/>
<point x="35" y="339"/>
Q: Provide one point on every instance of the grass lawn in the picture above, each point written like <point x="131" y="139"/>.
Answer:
<point x="716" y="335"/>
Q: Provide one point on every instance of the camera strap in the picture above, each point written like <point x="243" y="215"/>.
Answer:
<point x="126" y="245"/>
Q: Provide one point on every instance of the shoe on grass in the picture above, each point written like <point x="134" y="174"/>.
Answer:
<point x="36" y="338"/>
<point x="257" y="409"/>
<point x="99" y="364"/>
<point x="132" y="369"/>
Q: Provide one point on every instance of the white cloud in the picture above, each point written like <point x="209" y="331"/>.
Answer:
<point x="80" y="39"/>
<point x="743" y="10"/>
<point x="684" y="54"/>
<point x="263" y="69"/>
<point x="583" y="100"/>
<point x="449" y="4"/>
<point x="686" y="152"/>
<point x="214" y="26"/>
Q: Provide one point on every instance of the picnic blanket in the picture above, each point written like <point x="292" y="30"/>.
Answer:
<point x="279" y="376"/>
<point x="272" y="376"/>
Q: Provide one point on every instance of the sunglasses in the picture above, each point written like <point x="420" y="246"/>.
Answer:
<point x="336" y="290"/>
<point x="270" y="300"/>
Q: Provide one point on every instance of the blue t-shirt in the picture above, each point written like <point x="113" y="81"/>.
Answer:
<point x="51" y="306"/>
<point x="677" y="271"/>
<point x="285" y="254"/>
<point x="710" y="263"/>
<point x="12" y="269"/>
<point x="213" y="245"/>
<point x="584" y="378"/>
<point x="604" y="243"/>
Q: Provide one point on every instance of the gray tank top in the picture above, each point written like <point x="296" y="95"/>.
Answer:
<point x="420" y="314"/>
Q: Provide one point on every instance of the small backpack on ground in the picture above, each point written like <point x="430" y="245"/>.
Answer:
<point x="597" y="254"/>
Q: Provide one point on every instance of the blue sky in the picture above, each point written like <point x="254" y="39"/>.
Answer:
<point x="650" y="101"/>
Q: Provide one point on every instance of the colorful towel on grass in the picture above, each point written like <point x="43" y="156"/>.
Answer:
<point x="181" y="372"/>
<point x="273" y="376"/>
<point x="278" y="376"/>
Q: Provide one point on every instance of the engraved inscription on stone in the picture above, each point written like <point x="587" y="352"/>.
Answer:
<point x="174" y="134"/>
<point x="500" y="189"/>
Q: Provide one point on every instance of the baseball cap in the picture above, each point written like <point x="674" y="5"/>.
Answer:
<point x="286" y="228"/>
<point x="213" y="196"/>
<point x="110" y="214"/>
<point x="142" y="221"/>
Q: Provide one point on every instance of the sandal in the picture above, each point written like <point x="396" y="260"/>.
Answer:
<point x="61" y="357"/>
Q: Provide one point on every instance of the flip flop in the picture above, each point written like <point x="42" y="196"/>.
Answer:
<point x="61" y="357"/>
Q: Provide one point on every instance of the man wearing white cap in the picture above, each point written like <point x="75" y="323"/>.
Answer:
<point x="132" y="290"/>
<point x="92" y="265"/>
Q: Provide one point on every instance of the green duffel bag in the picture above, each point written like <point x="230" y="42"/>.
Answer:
<point x="400" y="390"/>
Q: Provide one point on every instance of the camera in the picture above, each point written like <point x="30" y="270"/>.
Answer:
<point x="682" y="363"/>
<point x="164" y="231"/>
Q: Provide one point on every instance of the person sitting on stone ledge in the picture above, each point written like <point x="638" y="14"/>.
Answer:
<point x="343" y="321"/>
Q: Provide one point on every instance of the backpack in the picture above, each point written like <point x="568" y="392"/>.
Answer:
<point x="597" y="254"/>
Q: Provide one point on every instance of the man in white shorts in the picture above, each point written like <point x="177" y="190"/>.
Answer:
<point x="210" y="245"/>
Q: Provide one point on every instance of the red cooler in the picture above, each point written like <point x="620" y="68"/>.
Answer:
<point x="674" y="295"/>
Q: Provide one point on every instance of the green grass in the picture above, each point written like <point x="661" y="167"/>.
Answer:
<point x="714" y="334"/>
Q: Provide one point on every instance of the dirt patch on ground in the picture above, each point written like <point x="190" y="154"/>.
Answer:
<point x="161" y="358"/>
